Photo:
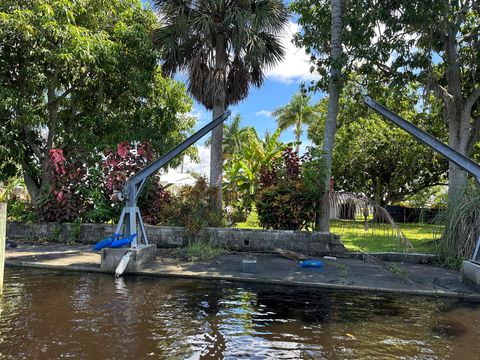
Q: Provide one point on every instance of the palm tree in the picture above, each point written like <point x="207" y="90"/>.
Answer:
<point x="296" y="113"/>
<point x="223" y="46"/>
<point x="332" y="111"/>
<point x="234" y="137"/>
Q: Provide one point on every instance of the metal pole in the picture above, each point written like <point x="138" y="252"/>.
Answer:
<point x="3" y="235"/>
<point x="451" y="154"/>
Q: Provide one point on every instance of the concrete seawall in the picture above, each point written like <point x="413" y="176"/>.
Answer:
<point x="340" y="274"/>
<point x="315" y="243"/>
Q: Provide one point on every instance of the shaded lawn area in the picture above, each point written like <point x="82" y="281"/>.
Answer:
<point x="379" y="237"/>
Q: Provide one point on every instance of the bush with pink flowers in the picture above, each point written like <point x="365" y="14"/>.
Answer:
<point x="65" y="199"/>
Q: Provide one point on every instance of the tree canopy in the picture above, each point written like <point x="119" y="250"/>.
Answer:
<point x="432" y="44"/>
<point x="82" y="75"/>
<point x="376" y="158"/>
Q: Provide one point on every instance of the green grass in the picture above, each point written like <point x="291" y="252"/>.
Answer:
<point x="378" y="237"/>
<point x="382" y="238"/>
<point x="201" y="251"/>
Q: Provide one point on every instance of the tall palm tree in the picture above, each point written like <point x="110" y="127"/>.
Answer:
<point x="296" y="113"/>
<point x="335" y="88"/>
<point x="223" y="46"/>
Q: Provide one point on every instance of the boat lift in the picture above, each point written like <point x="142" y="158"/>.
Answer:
<point x="451" y="154"/>
<point x="131" y="219"/>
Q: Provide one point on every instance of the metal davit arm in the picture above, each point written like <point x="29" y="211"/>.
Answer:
<point x="136" y="183"/>
<point x="451" y="154"/>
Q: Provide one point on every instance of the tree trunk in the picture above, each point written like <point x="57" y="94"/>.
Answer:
<point x="298" y="133"/>
<point x="323" y="223"/>
<point x="36" y="185"/>
<point x="32" y="187"/>
<point x="216" y="160"/>
<point x="216" y="152"/>
<point x="458" y="122"/>
<point x="457" y="178"/>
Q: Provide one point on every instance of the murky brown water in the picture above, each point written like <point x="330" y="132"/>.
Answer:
<point x="49" y="315"/>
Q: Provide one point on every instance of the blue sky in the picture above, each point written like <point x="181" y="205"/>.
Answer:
<point x="281" y="83"/>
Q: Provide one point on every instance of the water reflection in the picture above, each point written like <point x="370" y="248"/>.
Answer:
<point x="47" y="315"/>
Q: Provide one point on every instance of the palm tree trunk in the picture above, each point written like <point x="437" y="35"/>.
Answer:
<point x="216" y="152"/>
<point x="216" y="160"/>
<point x="298" y="133"/>
<point x="323" y="223"/>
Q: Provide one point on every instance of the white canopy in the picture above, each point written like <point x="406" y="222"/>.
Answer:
<point x="176" y="179"/>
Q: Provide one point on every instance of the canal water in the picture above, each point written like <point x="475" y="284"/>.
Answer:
<point x="53" y="315"/>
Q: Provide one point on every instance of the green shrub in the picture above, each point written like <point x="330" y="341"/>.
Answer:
<point x="462" y="228"/>
<point x="101" y="208"/>
<point x="290" y="190"/>
<point x="191" y="208"/>
<point x="252" y="218"/>
<point x="55" y="235"/>
<point x="18" y="210"/>
<point x="286" y="208"/>
<point x="75" y="231"/>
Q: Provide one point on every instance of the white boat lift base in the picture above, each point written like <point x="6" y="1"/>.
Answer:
<point x="141" y="257"/>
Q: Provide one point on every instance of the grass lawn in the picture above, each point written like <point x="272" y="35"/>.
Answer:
<point x="378" y="237"/>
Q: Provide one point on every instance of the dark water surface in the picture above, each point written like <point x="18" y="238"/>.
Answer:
<point x="50" y="315"/>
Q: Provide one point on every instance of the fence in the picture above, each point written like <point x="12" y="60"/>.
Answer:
<point x="402" y="214"/>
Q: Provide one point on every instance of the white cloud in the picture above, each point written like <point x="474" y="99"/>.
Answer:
<point x="201" y="114"/>
<point x="304" y="145"/>
<point x="203" y="167"/>
<point x="265" y="113"/>
<point x="295" y="66"/>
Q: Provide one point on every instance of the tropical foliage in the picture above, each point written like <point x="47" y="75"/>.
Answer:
<point x="289" y="194"/>
<point x="81" y="76"/>
<point x="297" y="113"/>
<point x="235" y="136"/>
<point x="224" y="46"/>
<point x="242" y="169"/>
<point x="65" y="200"/>
<point x="374" y="157"/>
<point x="78" y="193"/>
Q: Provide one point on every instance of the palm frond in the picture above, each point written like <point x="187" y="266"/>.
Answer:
<point x="462" y="225"/>
<point x="358" y="203"/>
<point x="187" y="41"/>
